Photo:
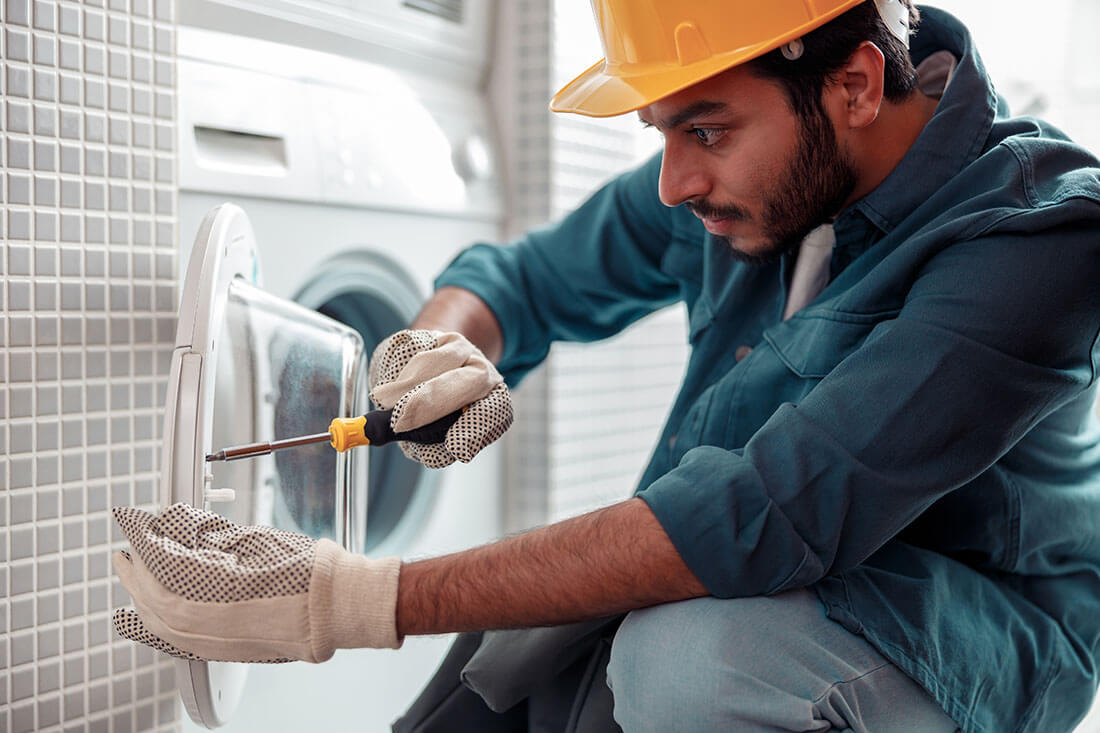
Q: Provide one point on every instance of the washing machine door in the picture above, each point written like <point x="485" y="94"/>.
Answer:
<point x="249" y="367"/>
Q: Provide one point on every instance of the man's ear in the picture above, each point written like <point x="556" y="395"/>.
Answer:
<point x="861" y="80"/>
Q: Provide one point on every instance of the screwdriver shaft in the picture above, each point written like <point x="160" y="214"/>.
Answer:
<point x="303" y="440"/>
<point x="261" y="449"/>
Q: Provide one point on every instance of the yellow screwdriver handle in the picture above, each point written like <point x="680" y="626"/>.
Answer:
<point x="374" y="429"/>
<point x="347" y="432"/>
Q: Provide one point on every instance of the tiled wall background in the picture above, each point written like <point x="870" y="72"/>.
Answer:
<point x="89" y="298"/>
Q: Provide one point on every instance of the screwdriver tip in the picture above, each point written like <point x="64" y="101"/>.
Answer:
<point x="219" y="456"/>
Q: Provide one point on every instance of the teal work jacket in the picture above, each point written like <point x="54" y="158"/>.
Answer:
<point x="918" y="445"/>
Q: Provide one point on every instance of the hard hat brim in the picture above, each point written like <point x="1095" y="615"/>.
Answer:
<point x="604" y="92"/>
<point x="596" y="93"/>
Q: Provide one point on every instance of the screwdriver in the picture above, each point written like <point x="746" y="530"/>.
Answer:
<point x="347" y="432"/>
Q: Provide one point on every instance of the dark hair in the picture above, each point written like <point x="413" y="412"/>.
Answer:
<point x="829" y="47"/>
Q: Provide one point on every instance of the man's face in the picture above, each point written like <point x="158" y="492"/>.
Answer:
<point x="741" y="160"/>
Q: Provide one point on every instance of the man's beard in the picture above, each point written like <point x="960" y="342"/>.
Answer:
<point x="818" y="181"/>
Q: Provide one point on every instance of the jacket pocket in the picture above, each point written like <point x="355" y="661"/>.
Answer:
<point x="811" y="344"/>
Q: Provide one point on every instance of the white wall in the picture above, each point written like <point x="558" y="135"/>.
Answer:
<point x="1043" y="58"/>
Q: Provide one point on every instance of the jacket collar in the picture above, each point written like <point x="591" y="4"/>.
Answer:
<point x="952" y="139"/>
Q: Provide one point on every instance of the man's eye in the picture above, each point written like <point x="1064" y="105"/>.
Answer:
<point x="707" y="135"/>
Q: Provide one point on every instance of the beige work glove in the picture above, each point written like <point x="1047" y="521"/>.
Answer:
<point x="425" y="375"/>
<point x="206" y="588"/>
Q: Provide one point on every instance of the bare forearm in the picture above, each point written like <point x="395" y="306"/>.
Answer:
<point x="609" y="561"/>
<point x="457" y="309"/>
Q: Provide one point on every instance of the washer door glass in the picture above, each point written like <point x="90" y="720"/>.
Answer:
<point x="376" y="297"/>
<point x="286" y="371"/>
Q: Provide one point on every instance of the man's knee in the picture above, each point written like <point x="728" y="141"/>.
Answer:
<point x="663" y="670"/>
<point x="766" y="663"/>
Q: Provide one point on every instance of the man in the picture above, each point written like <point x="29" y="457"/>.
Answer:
<point x="875" y="503"/>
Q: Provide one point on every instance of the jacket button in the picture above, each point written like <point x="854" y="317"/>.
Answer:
<point x="742" y="352"/>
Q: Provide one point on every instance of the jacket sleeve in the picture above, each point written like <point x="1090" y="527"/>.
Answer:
<point x="582" y="279"/>
<point x="994" y="334"/>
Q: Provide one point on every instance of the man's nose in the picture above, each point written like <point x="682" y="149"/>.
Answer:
<point x="681" y="179"/>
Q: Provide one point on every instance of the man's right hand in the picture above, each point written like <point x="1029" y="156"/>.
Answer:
<point x="424" y="375"/>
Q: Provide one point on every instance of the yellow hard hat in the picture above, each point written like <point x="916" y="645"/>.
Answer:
<point x="653" y="48"/>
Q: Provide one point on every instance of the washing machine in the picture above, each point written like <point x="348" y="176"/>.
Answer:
<point x="358" y="179"/>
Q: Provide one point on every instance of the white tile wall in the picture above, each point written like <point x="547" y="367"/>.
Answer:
<point x="88" y="314"/>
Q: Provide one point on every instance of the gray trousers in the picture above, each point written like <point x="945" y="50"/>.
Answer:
<point x="754" y="664"/>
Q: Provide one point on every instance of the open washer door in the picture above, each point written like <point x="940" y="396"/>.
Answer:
<point x="250" y="367"/>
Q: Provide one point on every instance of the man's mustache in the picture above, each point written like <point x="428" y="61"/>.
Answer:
<point x="706" y="210"/>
